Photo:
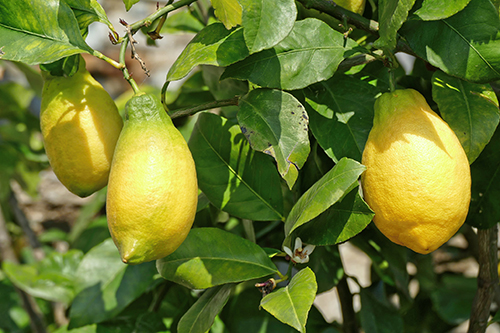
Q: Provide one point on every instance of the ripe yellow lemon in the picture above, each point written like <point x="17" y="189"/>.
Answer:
<point x="80" y="126"/>
<point x="417" y="178"/>
<point x="153" y="190"/>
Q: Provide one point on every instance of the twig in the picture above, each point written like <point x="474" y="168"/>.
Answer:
<point x="202" y="107"/>
<point x="331" y="8"/>
<point x="348" y="315"/>
<point x="487" y="279"/>
<point x="132" y="41"/>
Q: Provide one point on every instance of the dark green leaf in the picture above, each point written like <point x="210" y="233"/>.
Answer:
<point x="339" y="223"/>
<point x="107" y="285"/>
<point x="310" y="53"/>
<point x="235" y="178"/>
<point x="465" y="45"/>
<point x="291" y="304"/>
<point x="438" y="9"/>
<point x="228" y="12"/>
<point x="13" y="318"/>
<point x="210" y="257"/>
<point x="28" y="33"/>
<point x="454" y="307"/>
<point x="267" y="22"/>
<point x="484" y="210"/>
<point x="274" y="122"/>
<point x="342" y="116"/>
<point x="200" y="317"/>
<point x="470" y="109"/>
<point x="326" y="264"/>
<point x="377" y="314"/>
<point x="392" y="15"/>
<point x="214" y="45"/>
<point x="336" y="183"/>
<point x="54" y="278"/>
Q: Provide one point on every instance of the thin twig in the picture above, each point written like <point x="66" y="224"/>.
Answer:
<point x="207" y="106"/>
<point x="348" y="315"/>
<point x="487" y="279"/>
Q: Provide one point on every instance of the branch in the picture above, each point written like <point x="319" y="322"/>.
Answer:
<point x="348" y="315"/>
<point x="207" y="106"/>
<point x="331" y="8"/>
<point x="487" y="279"/>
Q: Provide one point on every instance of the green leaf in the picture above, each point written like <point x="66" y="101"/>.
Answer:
<point x="310" y="53"/>
<point x="335" y="184"/>
<point x="210" y="257"/>
<point x="484" y="211"/>
<point x="437" y="9"/>
<point x="182" y="21"/>
<point x="339" y="223"/>
<point x="28" y="32"/>
<point x="87" y="12"/>
<point x="13" y="318"/>
<point x="392" y="15"/>
<point x="228" y="12"/>
<point x="470" y="109"/>
<point x="235" y="178"/>
<point x="465" y="45"/>
<point x="342" y="115"/>
<point x="53" y="279"/>
<point x="267" y="22"/>
<point x="291" y="304"/>
<point x="200" y="317"/>
<point x="326" y="264"/>
<point x="452" y="306"/>
<point x="214" y="45"/>
<point x="107" y="285"/>
<point x="274" y="122"/>
<point x="377" y="314"/>
<point x="129" y="3"/>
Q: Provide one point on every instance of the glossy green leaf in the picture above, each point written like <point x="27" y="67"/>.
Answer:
<point x="454" y="307"/>
<point x="210" y="257"/>
<point x="335" y="184"/>
<point x="484" y="210"/>
<point x="465" y="45"/>
<point x="377" y="314"/>
<point x="200" y="317"/>
<point x="392" y="15"/>
<point x="267" y="22"/>
<point x="129" y="3"/>
<point x="228" y="12"/>
<point x="438" y="9"/>
<point x="342" y="116"/>
<point x="339" y="223"/>
<point x="87" y="12"/>
<point x="310" y="53"/>
<point x="470" y="109"/>
<point x="28" y="33"/>
<point x="214" y="45"/>
<point x="274" y="122"/>
<point x="107" y="285"/>
<point x="54" y="278"/>
<point x="292" y="303"/>
<point x="235" y="178"/>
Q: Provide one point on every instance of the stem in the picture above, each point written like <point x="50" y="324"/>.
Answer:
<point x="159" y="13"/>
<point x="487" y="279"/>
<point x="392" y="80"/>
<point x="124" y="69"/>
<point x="207" y="106"/>
<point x="331" y="8"/>
<point x="348" y="315"/>
<point x="108" y="60"/>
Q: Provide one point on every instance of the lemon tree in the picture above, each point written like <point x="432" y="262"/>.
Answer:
<point x="236" y="191"/>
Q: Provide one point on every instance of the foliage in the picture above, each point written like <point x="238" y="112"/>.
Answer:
<point x="293" y="84"/>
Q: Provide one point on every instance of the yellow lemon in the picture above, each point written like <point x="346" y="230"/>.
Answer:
<point x="80" y="125"/>
<point x="153" y="190"/>
<point x="417" y="178"/>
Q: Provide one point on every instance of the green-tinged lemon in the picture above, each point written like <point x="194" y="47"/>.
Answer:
<point x="417" y="178"/>
<point x="80" y="125"/>
<point x="153" y="190"/>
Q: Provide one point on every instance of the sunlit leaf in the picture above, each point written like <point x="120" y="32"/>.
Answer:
<point x="28" y="33"/>
<point x="438" y="9"/>
<point x="392" y="14"/>
<point x="292" y="303"/>
<point x="274" y="122"/>
<point x="210" y="257"/>
<point x="228" y="12"/>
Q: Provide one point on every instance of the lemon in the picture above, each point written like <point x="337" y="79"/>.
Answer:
<point x="417" y="178"/>
<point x="355" y="6"/>
<point x="153" y="190"/>
<point x="80" y="125"/>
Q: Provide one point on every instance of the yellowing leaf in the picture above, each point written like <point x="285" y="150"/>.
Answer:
<point x="228" y="12"/>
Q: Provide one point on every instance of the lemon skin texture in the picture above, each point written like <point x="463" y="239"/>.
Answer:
<point x="153" y="190"/>
<point x="80" y="125"/>
<point x="417" y="178"/>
